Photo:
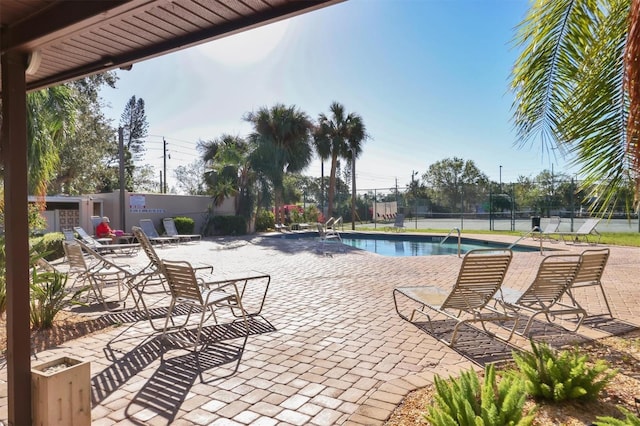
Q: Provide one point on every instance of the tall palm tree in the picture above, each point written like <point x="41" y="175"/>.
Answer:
<point x="345" y="133"/>
<point x="322" y="145"/>
<point x="282" y="138"/>
<point x="577" y="88"/>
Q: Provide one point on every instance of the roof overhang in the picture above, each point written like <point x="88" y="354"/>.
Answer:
<point x="66" y="40"/>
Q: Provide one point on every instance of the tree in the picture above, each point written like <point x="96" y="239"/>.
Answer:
<point x="134" y="129"/>
<point x="191" y="178"/>
<point x="450" y="176"/>
<point x="282" y="138"/>
<point x="51" y="115"/>
<point x="228" y="171"/>
<point x="345" y="134"/>
<point x="573" y="91"/>
<point x="86" y="154"/>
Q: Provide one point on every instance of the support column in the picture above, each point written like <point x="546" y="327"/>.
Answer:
<point x="14" y="158"/>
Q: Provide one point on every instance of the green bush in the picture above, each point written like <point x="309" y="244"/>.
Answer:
<point x="463" y="401"/>
<point x="225" y="225"/>
<point x="50" y="244"/>
<point x="184" y="225"/>
<point x="265" y="220"/>
<point x="563" y="375"/>
<point x="630" y="419"/>
<point x="49" y="296"/>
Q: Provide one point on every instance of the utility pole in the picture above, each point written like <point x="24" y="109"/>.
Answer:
<point x="164" y="145"/>
<point x="121" y="177"/>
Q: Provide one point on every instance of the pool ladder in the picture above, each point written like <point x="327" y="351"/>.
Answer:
<point x="530" y="234"/>
<point x="449" y="234"/>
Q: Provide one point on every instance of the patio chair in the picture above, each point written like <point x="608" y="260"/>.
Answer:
<point x="328" y="235"/>
<point x="398" y="224"/>
<point x="550" y="292"/>
<point x="150" y="231"/>
<point x="188" y="290"/>
<point x="479" y="279"/>
<point x="95" y="271"/>
<point x="172" y="231"/>
<point x="154" y="267"/>
<point x="587" y="229"/>
<point x="590" y="273"/>
<point x="97" y="245"/>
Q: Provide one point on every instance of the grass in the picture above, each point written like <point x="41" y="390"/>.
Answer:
<point x="630" y="239"/>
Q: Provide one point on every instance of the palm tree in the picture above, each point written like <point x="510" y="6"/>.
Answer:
<point x="577" y="88"/>
<point x="282" y="144"/>
<point x="229" y="174"/>
<point x="323" y="148"/>
<point x="345" y="134"/>
<point x="50" y="119"/>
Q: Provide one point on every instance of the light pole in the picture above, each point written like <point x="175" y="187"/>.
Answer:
<point x="500" y="179"/>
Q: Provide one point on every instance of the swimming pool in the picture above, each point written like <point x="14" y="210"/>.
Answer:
<point x="422" y="245"/>
<point x="414" y="245"/>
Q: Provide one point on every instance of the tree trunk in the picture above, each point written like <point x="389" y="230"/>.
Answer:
<point x="332" y="182"/>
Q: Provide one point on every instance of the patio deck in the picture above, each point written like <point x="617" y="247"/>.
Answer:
<point x="327" y="349"/>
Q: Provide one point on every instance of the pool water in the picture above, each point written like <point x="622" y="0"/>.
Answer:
<point x="417" y="247"/>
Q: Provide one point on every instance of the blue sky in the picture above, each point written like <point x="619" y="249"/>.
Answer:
<point x="430" y="79"/>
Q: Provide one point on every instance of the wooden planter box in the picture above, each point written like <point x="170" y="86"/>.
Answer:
<point x="61" y="393"/>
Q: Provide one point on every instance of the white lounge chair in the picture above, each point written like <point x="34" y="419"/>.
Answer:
<point x="172" y="231"/>
<point x="150" y="231"/>
<point x="587" y="229"/>
<point x="97" y="245"/>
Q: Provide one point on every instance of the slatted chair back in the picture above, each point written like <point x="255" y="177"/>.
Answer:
<point x="480" y="277"/>
<point x="592" y="268"/>
<point x="556" y="274"/>
<point x="75" y="257"/>
<point x="182" y="280"/>
<point x="146" y="245"/>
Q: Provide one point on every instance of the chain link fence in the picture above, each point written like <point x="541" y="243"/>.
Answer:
<point x="497" y="207"/>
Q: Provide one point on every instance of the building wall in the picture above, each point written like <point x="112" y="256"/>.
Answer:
<point x="156" y="207"/>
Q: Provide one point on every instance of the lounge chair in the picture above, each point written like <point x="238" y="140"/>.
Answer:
<point x="96" y="271"/>
<point x="154" y="267"/>
<point x="172" y="231"/>
<point x="550" y="292"/>
<point x="479" y="279"/>
<point x="398" y="225"/>
<point x="590" y="273"/>
<point x="96" y="244"/>
<point x="150" y="231"/>
<point x="188" y="290"/>
<point x="281" y="228"/>
<point x="587" y="229"/>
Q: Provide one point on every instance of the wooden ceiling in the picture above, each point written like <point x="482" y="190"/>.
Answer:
<point x="72" y="39"/>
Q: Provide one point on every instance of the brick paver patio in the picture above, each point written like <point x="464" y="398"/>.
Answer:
<point x="328" y="348"/>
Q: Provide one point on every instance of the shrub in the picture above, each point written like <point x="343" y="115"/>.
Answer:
<point x="49" y="296"/>
<point x="463" y="401"/>
<point x="225" y="225"/>
<point x="560" y="376"/>
<point x="184" y="225"/>
<point x="630" y="419"/>
<point x="50" y="244"/>
<point x="265" y="220"/>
